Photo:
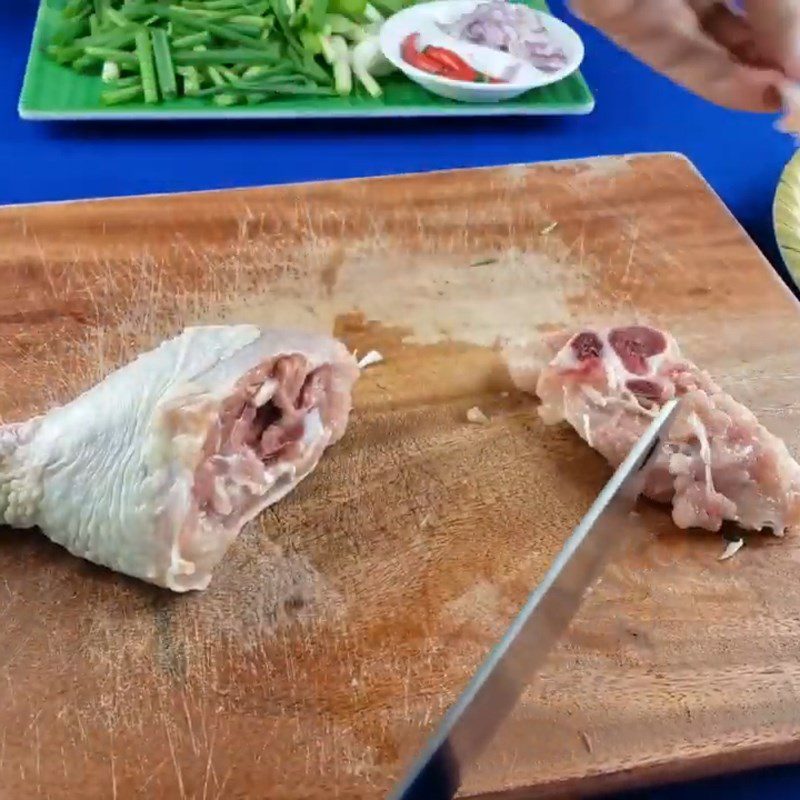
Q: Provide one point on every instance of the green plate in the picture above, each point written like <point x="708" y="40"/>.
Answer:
<point x="54" y="92"/>
<point x="786" y="217"/>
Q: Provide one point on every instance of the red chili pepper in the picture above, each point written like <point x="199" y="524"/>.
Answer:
<point x="455" y="66"/>
<point x="411" y="55"/>
<point x="441" y="61"/>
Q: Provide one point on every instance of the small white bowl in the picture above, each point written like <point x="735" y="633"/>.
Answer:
<point x="426" y="18"/>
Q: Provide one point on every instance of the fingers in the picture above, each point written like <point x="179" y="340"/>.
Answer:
<point x="733" y="32"/>
<point x="776" y="31"/>
<point x="667" y="35"/>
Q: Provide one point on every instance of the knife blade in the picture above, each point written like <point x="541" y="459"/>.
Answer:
<point x="474" y="718"/>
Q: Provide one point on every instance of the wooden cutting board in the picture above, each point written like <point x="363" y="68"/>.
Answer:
<point x="340" y="627"/>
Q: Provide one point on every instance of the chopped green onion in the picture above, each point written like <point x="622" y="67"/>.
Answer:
<point x="230" y="51"/>
<point x="84" y="63"/>
<point x="114" y="97"/>
<point x="191" y="80"/>
<point x="130" y="80"/>
<point x="236" y="56"/>
<point x="228" y="74"/>
<point x="226" y="99"/>
<point x="116" y="17"/>
<point x="165" y="69"/>
<point x="191" y="39"/>
<point x="144" y="52"/>
<point x="110" y="71"/>
<point x="216" y="77"/>
<point x="116" y="37"/>
<point x="111" y="54"/>
<point x="220" y="31"/>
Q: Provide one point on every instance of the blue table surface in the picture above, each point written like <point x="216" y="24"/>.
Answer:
<point x="741" y="155"/>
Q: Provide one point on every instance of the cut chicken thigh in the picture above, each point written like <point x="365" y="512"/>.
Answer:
<point x="719" y="462"/>
<point x="154" y="471"/>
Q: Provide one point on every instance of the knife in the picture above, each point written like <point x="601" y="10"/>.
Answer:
<point x="494" y="690"/>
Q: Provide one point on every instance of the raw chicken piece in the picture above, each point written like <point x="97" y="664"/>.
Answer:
<point x="719" y="462"/>
<point x="154" y="471"/>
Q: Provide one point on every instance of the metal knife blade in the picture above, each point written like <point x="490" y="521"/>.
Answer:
<point x="494" y="690"/>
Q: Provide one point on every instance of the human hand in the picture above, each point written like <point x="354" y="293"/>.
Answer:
<point x="737" y="60"/>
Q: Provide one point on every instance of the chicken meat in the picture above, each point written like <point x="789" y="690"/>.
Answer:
<point x="719" y="462"/>
<point x="154" y="471"/>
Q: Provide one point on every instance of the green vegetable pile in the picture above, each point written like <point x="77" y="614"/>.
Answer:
<point x="230" y="51"/>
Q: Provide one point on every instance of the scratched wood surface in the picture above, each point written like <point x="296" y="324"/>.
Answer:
<point x="343" y="623"/>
